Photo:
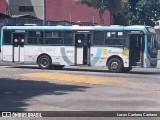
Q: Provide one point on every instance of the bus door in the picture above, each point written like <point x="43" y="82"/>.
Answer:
<point x="136" y="49"/>
<point x="82" y="49"/>
<point x="18" y="47"/>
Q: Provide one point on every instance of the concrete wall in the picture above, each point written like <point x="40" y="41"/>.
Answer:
<point x="3" y="6"/>
<point x="13" y="7"/>
<point x="70" y="10"/>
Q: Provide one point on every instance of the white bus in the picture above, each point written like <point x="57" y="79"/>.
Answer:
<point x="118" y="47"/>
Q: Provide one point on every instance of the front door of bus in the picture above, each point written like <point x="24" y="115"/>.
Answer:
<point x="82" y="49"/>
<point x="18" y="47"/>
<point x="136" y="49"/>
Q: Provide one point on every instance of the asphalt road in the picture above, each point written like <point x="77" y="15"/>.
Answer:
<point x="27" y="88"/>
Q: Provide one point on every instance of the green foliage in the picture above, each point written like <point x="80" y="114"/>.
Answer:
<point x="114" y="6"/>
<point x="128" y="12"/>
<point x="95" y="3"/>
<point x="131" y="15"/>
<point x="120" y="19"/>
<point x="133" y="4"/>
<point x="149" y="11"/>
<point x="143" y="11"/>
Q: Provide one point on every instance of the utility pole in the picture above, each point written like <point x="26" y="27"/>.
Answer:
<point x="44" y="21"/>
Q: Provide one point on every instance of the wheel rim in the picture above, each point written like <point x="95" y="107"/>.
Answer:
<point x="114" y="66"/>
<point x="44" y="62"/>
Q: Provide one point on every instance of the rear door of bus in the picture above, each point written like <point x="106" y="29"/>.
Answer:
<point x="18" y="46"/>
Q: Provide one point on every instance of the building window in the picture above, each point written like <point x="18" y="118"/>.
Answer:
<point x="26" y="9"/>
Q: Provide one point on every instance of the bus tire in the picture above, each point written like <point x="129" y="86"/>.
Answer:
<point x="44" y="62"/>
<point x="115" y="65"/>
<point x="127" y="69"/>
<point x="57" y="67"/>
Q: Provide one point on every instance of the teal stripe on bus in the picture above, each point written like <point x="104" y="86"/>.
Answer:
<point x="97" y="57"/>
<point x="64" y="56"/>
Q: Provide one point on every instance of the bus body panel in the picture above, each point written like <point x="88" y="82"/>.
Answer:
<point x="7" y="55"/>
<point x="59" y="55"/>
<point x="100" y="55"/>
<point x="149" y="62"/>
<point x="79" y="56"/>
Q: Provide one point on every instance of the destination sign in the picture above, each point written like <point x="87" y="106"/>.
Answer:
<point x="19" y="30"/>
<point x="136" y="32"/>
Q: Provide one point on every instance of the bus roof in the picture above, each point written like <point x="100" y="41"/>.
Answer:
<point x="74" y="27"/>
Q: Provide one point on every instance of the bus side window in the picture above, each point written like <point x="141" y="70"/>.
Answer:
<point x="68" y="38"/>
<point x="53" y="37"/>
<point x="126" y="39"/>
<point x="35" y="37"/>
<point x="98" y="38"/>
<point x="114" y="38"/>
<point x="7" y="37"/>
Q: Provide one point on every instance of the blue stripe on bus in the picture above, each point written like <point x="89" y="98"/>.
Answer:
<point x="146" y="45"/>
<point x="97" y="57"/>
<point x="73" y="28"/>
<point x="64" y="56"/>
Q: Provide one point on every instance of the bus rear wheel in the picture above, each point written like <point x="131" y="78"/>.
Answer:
<point x="44" y="62"/>
<point x="115" y="65"/>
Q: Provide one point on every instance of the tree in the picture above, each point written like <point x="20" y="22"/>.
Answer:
<point x="133" y="4"/>
<point x="129" y="10"/>
<point x="142" y="11"/>
<point x="113" y="6"/>
<point x="149" y="11"/>
<point x="119" y="17"/>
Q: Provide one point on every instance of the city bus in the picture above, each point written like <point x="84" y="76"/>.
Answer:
<point x="117" y="47"/>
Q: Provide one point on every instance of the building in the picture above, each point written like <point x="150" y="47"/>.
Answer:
<point x="3" y="6"/>
<point x="55" y="10"/>
<point x="71" y="10"/>
<point x="29" y="7"/>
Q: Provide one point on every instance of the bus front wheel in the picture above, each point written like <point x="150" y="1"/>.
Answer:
<point x="44" y="62"/>
<point x="115" y="65"/>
